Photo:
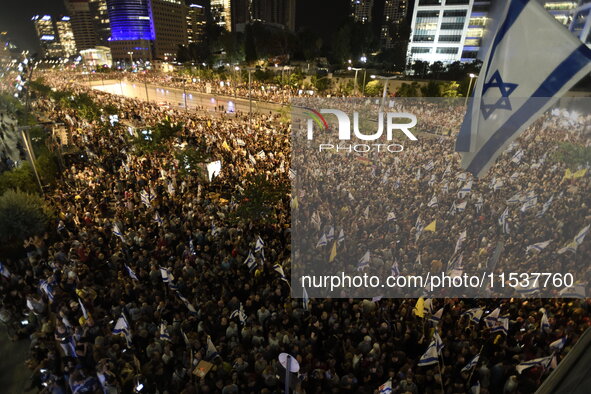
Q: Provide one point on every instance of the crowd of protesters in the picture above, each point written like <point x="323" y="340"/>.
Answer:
<point x="139" y="242"/>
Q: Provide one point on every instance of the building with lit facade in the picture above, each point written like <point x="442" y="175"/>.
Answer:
<point x="147" y="29"/>
<point x="560" y="9"/>
<point x="66" y="36"/>
<point x="97" y="57"/>
<point x="82" y="23"/>
<point x="447" y="30"/>
<point x="361" y="10"/>
<point x="100" y="20"/>
<point x="196" y="21"/>
<point x="394" y="13"/>
<point x="48" y="38"/>
<point x="221" y="13"/>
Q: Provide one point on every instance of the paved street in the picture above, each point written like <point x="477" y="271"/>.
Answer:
<point x="175" y="97"/>
<point x="14" y="374"/>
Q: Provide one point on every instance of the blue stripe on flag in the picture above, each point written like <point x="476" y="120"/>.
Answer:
<point x="515" y="9"/>
<point x="553" y="83"/>
<point x="465" y="134"/>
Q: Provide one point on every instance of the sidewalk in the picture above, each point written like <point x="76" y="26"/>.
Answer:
<point x="14" y="374"/>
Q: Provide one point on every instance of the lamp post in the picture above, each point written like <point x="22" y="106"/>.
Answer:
<point x="472" y="76"/>
<point x="357" y="69"/>
<point x="130" y="53"/>
<point x="386" y="80"/>
<point x="236" y="69"/>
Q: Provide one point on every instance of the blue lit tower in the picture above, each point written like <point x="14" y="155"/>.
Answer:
<point x="132" y="28"/>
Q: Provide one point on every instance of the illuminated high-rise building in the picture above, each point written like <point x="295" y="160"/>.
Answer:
<point x="82" y="23"/>
<point x="100" y="20"/>
<point x="147" y="29"/>
<point x="361" y="10"/>
<point x="394" y="13"/>
<point x="48" y="38"/>
<point x="221" y="13"/>
<point x="66" y="36"/>
<point x="447" y="30"/>
<point x="196" y="21"/>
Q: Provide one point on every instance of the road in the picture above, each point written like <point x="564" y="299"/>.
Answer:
<point x="175" y="97"/>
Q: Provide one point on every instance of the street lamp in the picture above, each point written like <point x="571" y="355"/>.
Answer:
<point x="386" y="80"/>
<point x="130" y="53"/>
<point x="357" y="69"/>
<point x="472" y="76"/>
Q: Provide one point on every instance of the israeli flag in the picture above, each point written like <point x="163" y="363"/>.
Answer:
<point x="558" y="344"/>
<point x="538" y="247"/>
<point x="472" y="363"/>
<point x="386" y="388"/>
<point x="330" y="235"/>
<point x="211" y="351"/>
<point x="461" y="207"/>
<point x="532" y="61"/>
<point x="239" y="313"/>
<point x="259" y="245"/>
<point x="391" y="216"/>
<point x="322" y="241"/>
<point x="185" y="301"/>
<point x="467" y="188"/>
<point x="546" y="206"/>
<point x="250" y="261"/>
<point x="460" y="241"/>
<point x="503" y="221"/>
<point x="395" y="271"/>
<point x="164" y="335"/>
<point x="475" y="314"/>
<point x="4" y="271"/>
<point x="575" y="291"/>
<point x="130" y="272"/>
<point x="433" y="202"/>
<point x="165" y="274"/>
<point x="341" y="237"/>
<point x="158" y="219"/>
<point x="430" y="356"/>
<point x="544" y="362"/>
<point x="501" y="325"/>
<point x="363" y="262"/>
<point x="545" y="324"/>
<point x="117" y="232"/>
<point x="581" y="235"/>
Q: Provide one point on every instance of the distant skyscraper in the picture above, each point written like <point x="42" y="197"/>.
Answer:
<point x="221" y="13"/>
<point x="132" y="30"/>
<point x="274" y="12"/>
<point x="147" y="28"/>
<point x="100" y="20"/>
<point x="82" y="23"/>
<point x="196" y="21"/>
<point x="361" y="10"/>
<point x="447" y="31"/>
<point x="48" y="38"/>
<point x="66" y="36"/>
<point x="170" y="27"/>
<point x="394" y="13"/>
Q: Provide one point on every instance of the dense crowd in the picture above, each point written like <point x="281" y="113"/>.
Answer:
<point x="144" y="279"/>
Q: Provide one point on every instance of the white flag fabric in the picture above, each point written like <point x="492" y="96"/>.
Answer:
<point x="386" y="388"/>
<point x="531" y="62"/>
<point x="543" y="362"/>
<point x="322" y="241"/>
<point x="363" y="262"/>
<point x="430" y="357"/>
<point x="538" y="247"/>
<point x="472" y="363"/>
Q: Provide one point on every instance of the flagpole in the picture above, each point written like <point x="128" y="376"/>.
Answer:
<point x="441" y="376"/>
<point x="474" y="367"/>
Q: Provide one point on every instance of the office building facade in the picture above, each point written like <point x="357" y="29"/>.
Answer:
<point x="196" y="22"/>
<point x="361" y="10"/>
<point x="49" y="41"/>
<point x="82" y="23"/>
<point x="394" y="13"/>
<point x="447" y="30"/>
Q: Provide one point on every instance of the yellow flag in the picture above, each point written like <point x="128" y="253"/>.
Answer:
<point x="431" y="226"/>
<point x="333" y="252"/>
<point x="580" y="173"/>
<point x="419" y="309"/>
<point x="226" y="146"/>
<point x="294" y="203"/>
<point x="567" y="174"/>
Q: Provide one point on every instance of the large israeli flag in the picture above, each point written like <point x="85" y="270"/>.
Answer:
<point x="532" y="61"/>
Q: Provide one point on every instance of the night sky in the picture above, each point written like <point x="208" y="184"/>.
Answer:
<point x="15" y="18"/>
<point x="324" y="16"/>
